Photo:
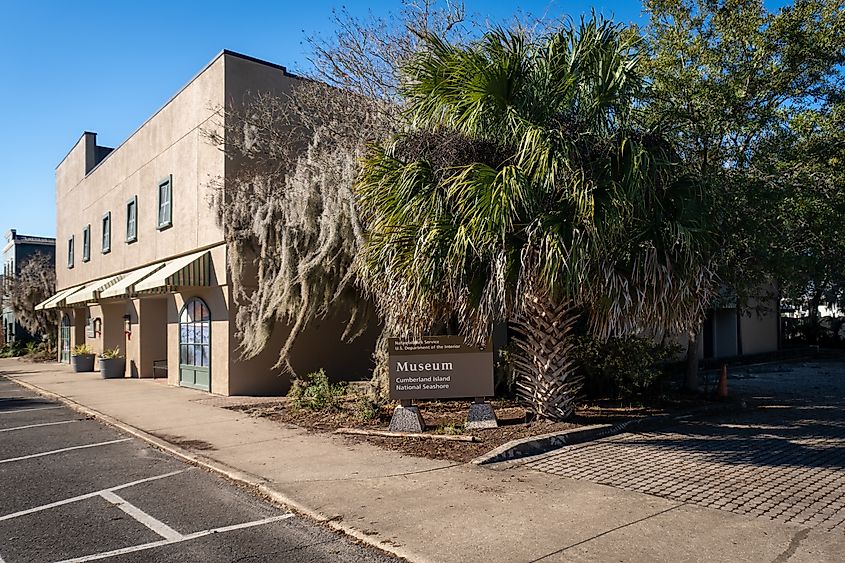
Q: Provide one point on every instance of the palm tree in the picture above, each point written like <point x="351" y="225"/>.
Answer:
<point x="525" y="191"/>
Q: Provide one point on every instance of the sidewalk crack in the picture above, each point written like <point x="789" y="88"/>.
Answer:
<point x="561" y="550"/>
<point x="373" y="477"/>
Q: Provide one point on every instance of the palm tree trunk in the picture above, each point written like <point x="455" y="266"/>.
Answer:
<point x="545" y="375"/>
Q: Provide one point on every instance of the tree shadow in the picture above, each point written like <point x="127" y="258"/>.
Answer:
<point x="19" y="403"/>
<point x="797" y="436"/>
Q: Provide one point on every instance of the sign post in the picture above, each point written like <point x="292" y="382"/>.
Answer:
<point x="439" y="367"/>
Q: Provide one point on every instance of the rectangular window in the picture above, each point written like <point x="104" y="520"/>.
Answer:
<point x="132" y="219"/>
<point x="70" y="252"/>
<point x="106" y="233"/>
<point x="165" y="203"/>
<point x="86" y="243"/>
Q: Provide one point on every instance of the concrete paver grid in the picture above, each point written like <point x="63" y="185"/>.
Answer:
<point x="785" y="465"/>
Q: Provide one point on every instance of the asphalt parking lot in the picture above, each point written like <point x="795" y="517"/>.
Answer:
<point x="73" y="489"/>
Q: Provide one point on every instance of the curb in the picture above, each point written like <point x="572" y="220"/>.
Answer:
<point x="226" y="471"/>
<point x="536" y="445"/>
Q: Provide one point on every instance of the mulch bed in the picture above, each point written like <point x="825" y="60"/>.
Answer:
<point x="447" y="417"/>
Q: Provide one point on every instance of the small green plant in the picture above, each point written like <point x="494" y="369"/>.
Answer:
<point x="40" y="351"/>
<point x="315" y="392"/>
<point x="82" y="350"/>
<point x="368" y="407"/>
<point x="450" y="429"/>
<point x="110" y="354"/>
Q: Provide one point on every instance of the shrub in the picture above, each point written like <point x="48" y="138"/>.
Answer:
<point x="12" y="350"/>
<point x="314" y="392"/>
<point x="623" y="368"/>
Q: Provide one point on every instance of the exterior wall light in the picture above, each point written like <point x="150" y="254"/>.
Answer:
<point x="127" y="326"/>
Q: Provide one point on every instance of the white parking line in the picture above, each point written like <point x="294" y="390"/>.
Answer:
<point x="36" y="426"/>
<point x="147" y="520"/>
<point x="186" y="537"/>
<point x="89" y="495"/>
<point x="32" y="409"/>
<point x="42" y="454"/>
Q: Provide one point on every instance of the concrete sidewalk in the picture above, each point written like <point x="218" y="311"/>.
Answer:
<point x="427" y="510"/>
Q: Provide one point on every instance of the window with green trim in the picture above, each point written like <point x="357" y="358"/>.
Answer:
<point x="132" y="219"/>
<point x="86" y="243"/>
<point x="106" y="224"/>
<point x="165" y="203"/>
<point x="70" y="252"/>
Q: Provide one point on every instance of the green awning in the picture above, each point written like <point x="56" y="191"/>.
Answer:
<point x="91" y="292"/>
<point x="58" y="300"/>
<point x="126" y="286"/>
<point x="193" y="270"/>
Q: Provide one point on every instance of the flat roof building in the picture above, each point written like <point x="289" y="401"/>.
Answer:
<point x="142" y="264"/>
<point x="17" y="250"/>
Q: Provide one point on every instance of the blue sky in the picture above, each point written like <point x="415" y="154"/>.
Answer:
<point x="72" y="66"/>
<point x="106" y="67"/>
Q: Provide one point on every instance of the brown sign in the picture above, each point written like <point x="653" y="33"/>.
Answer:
<point x="439" y="367"/>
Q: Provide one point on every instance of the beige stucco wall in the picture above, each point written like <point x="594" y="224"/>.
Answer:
<point x="108" y="319"/>
<point x="724" y="333"/>
<point x="760" y="327"/>
<point x="147" y="342"/>
<point x="169" y="143"/>
<point x="246" y="78"/>
<point x="320" y="346"/>
<point x="172" y="143"/>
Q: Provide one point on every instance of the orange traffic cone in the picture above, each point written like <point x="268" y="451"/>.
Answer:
<point x="723" y="383"/>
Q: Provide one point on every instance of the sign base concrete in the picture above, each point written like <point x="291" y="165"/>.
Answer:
<point x="407" y="419"/>
<point x="481" y="415"/>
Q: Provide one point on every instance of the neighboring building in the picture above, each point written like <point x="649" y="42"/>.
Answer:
<point x="755" y="329"/>
<point x="17" y="250"/>
<point x="726" y="334"/>
<point x="142" y="264"/>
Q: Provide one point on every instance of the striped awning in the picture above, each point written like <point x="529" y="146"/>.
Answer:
<point x="193" y="270"/>
<point x="91" y="292"/>
<point x="126" y="286"/>
<point x="58" y="300"/>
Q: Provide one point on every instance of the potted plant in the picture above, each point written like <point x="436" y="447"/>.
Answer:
<point x="82" y="358"/>
<point x="112" y="364"/>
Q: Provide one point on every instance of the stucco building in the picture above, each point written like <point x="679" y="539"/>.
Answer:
<point x="754" y="330"/>
<point x="17" y="250"/>
<point x="141" y="261"/>
<point x="729" y="333"/>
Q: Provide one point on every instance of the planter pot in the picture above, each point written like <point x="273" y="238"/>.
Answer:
<point x="82" y="363"/>
<point x="112" y="368"/>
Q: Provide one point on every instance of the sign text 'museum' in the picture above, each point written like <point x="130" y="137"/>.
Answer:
<point x="439" y="367"/>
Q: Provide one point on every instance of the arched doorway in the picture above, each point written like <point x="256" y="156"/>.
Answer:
<point x="64" y="340"/>
<point x="195" y="345"/>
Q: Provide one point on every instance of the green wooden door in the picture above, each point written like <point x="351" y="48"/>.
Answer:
<point x="195" y="345"/>
<point x="64" y="340"/>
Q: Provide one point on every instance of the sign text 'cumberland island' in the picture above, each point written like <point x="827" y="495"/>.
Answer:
<point x="439" y="367"/>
